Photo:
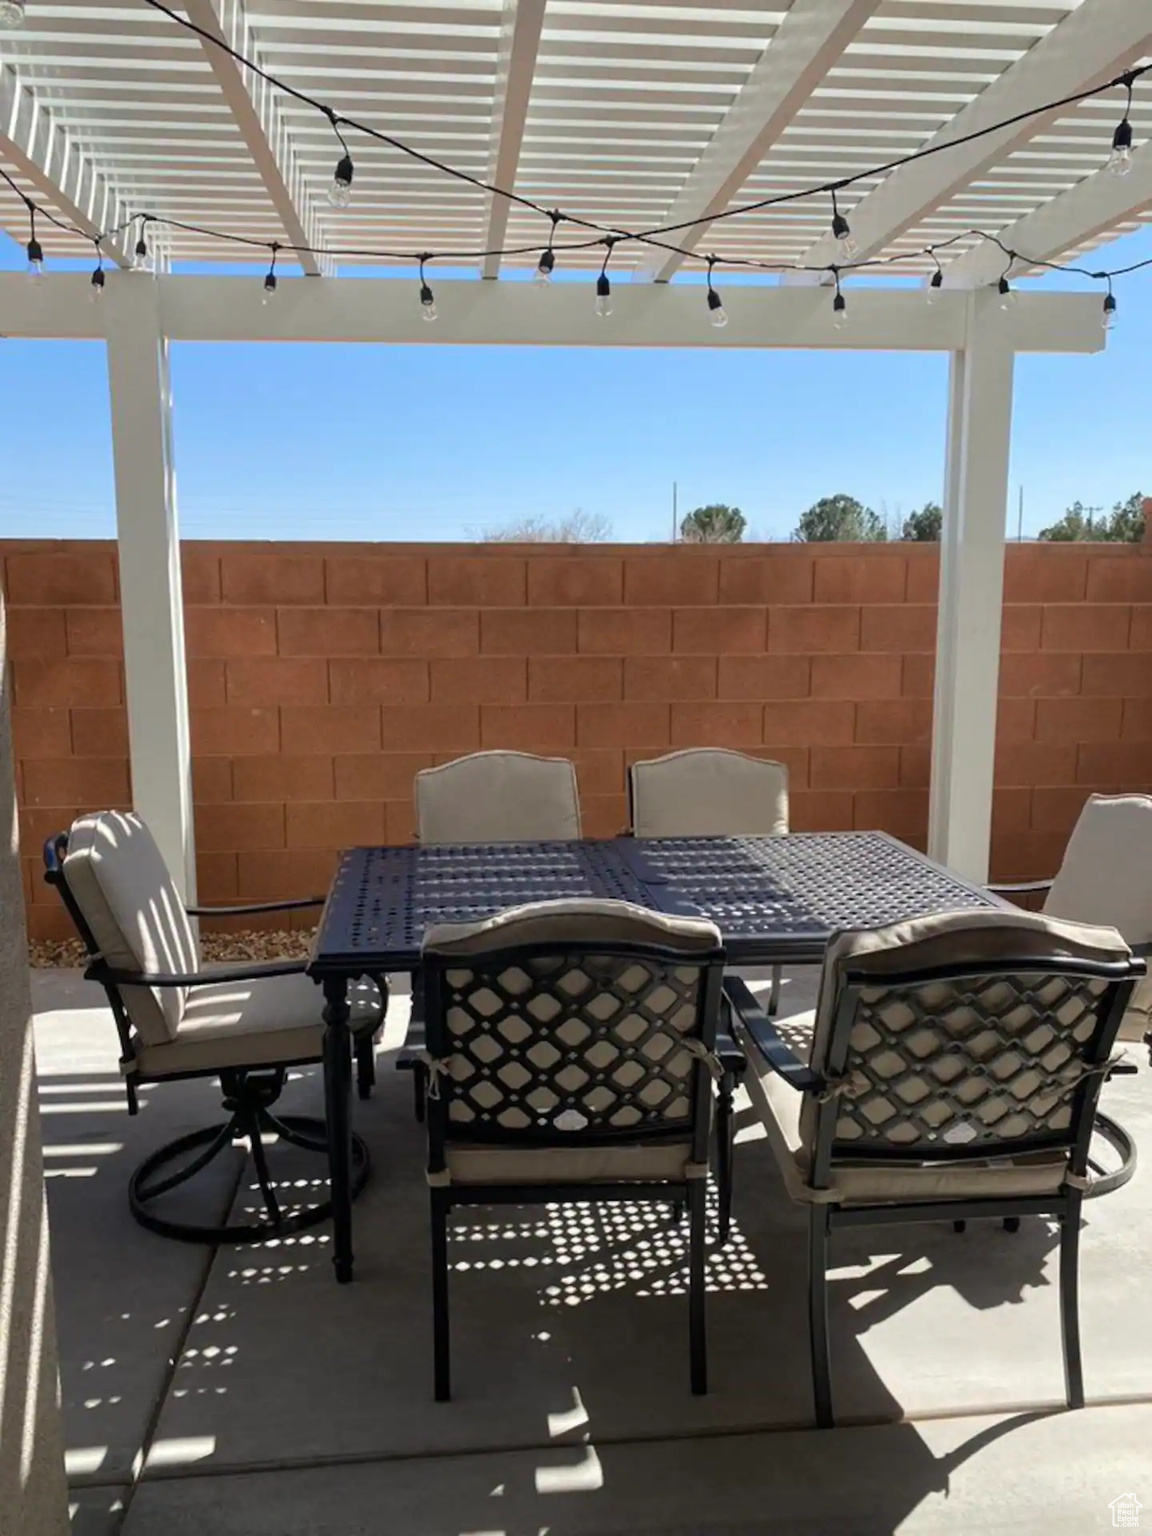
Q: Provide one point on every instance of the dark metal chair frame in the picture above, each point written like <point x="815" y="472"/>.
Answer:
<point x="249" y="1092"/>
<point x="1064" y="1205"/>
<point x="442" y="1132"/>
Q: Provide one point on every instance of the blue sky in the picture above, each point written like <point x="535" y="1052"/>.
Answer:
<point x="445" y="442"/>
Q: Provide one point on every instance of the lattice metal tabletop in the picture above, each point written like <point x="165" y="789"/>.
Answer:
<point x="775" y="899"/>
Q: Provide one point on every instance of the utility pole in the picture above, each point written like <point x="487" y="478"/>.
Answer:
<point x="675" y="520"/>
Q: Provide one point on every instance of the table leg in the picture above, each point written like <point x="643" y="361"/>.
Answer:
<point x="338" y="1110"/>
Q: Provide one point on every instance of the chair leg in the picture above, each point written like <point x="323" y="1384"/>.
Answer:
<point x="818" y="1229"/>
<point x="774" y="994"/>
<point x="697" y="1335"/>
<point x="252" y="1129"/>
<point x="440" y="1338"/>
<point x="365" y="1065"/>
<point x="419" y="1092"/>
<point x="1070" y="1302"/>
<point x="725" y="1133"/>
<point x="1011" y="1223"/>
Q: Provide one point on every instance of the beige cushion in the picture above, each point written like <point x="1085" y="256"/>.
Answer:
<point x="122" y="886"/>
<point x="709" y="792"/>
<point x="1106" y="877"/>
<point x="498" y="797"/>
<point x="572" y="1165"/>
<point x="779" y="1107"/>
<point x="585" y="919"/>
<point x="256" y="1023"/>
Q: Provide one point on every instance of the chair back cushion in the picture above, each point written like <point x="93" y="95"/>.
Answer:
<point x="709" y="792"/>
<point x="987" y="1058"/>
<point x="121" y="884"/>
<point x="498" y="797"/>
<point x="568" y="1020"/>
<point x="1106" y="875"/>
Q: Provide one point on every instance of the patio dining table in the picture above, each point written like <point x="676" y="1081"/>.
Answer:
<point x="776" y="900"/>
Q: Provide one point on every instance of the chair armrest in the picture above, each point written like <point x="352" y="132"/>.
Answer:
<point x="253" y="970"/>
<point x="1022" y="889"/>
<point x="258" y="906"/>
<point x="729" y="1054"/>
<point x="776" y="1052"/>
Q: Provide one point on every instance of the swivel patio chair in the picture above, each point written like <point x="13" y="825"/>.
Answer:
<point x="571" y="1050"/>
<point x="245" y="1024"/>
<point x="498" y="797"/>
<point x="953" y="1073"/>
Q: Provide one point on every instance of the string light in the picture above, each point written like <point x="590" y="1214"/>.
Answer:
<point x="717" y="314"/>
<point x="936" y="281"/>
<point x="1007" y="296"/>
<point x="839" y="304"/>
<point x="270" y="276"/>
<point x="1120" y="160"/>
<point x="34" y="249"/>
<point x="603" y="285"/>
<point x="548" y="256"/>
<point x="97" y="291"/>
<point x="140" y="256"/>
<point x="427" y="297"/>
<point x="1108" y="315"/>
<point x="845" y="244"/>
<point x="11" y="14"/>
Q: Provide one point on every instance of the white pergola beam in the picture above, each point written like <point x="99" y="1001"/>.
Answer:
<point x="520" y="31"/>
<point x="810" y="39"/>
<point x="256" y="112"/>
<point x="1090" y="46"/>
<point x="151" y="593"/>
<point x="1090" y="208"/>
<point x="971" y="593"/>
<point x="61" y="173"/>
<point x="194" y="308"/>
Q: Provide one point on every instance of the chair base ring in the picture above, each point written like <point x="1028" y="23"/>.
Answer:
<point x="1115" y="1136"/>
<point x="305" y="1131"/>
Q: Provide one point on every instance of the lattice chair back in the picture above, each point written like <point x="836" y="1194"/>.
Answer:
<point x="568" y="1023"/>
<point x="498" y="797"/>
<point x="130" y="912"/>
<point x="708" y="792"/>
<point x="964" y="1035"/>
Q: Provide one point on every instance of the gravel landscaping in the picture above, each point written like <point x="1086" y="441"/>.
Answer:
<point x="272" y="944"/>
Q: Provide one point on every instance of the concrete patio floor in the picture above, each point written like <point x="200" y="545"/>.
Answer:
<point x="244" y="1393"/>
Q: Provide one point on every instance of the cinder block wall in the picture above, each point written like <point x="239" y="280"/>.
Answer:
<point x="323" y="676"/>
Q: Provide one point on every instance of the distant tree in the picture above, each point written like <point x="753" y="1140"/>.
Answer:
<point x="840" y="519"/>
<point x="1126" y="525"/>
<point x="1078" y="523"/>
<point x="926" y="525"/>
<point x="579" y="527"/>
<point x="714" y="524"/>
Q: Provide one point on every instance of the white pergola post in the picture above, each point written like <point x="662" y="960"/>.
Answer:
<point x="971" y="590"/>
<point x="151" y="600"/>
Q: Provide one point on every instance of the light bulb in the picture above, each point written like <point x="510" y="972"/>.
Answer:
<point x="96" y="292"/>
<point x="1108" y="318"/>
<point x="140" y="258"/>
<point x="935" y="283"/>
<point x="35" y="259"/>
<point x="845" y="244"/>
<point x="427" y="303"/>
<point x="718" y="315"/>
<point x="544" y="270"/>
<point x="840" y="312"/>
<point x="1007" y="297"/>
<point x="11" y="14"/>
<point x="340" y="192"/>
<point x="269" y="289"/>
<point x="1120" y="160"/>
<point x="603" y="296"/>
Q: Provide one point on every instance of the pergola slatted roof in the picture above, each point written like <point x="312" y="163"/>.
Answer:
<point x="630" y="113"/>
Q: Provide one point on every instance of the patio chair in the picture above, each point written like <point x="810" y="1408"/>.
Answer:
<point x="571" y="1049"/>
<point x="952" y="1072"/>
<point x="245" y="1024"/>
<point x="498" y="797"/>
<point x="1106" y="877"/>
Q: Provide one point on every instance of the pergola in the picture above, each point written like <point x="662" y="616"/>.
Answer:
<point x="628" y="113"/>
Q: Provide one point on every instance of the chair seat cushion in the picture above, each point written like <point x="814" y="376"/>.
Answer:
<point x="471" y="1164"/>
<point x="862" y="1183"/>
<point x="263" y="1022"/>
